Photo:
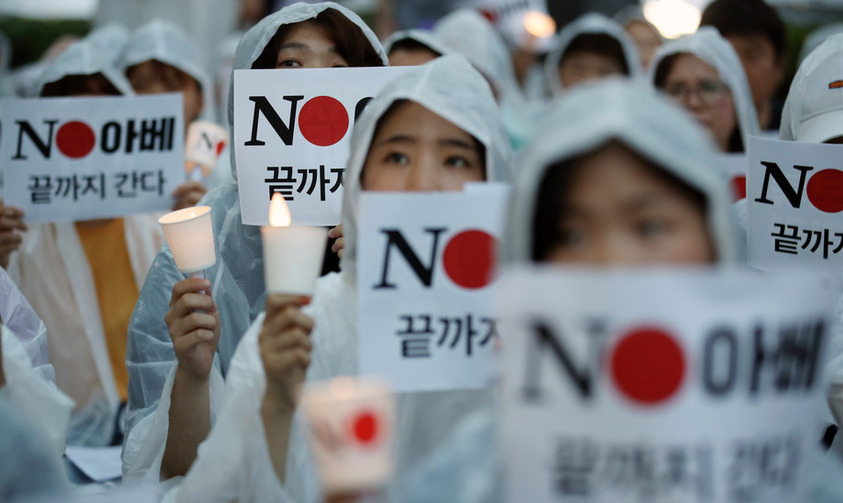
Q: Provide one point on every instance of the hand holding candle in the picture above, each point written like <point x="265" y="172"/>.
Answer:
<point x="292" y="254"/>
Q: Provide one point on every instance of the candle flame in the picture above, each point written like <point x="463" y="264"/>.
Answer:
<point x="279" y="212"/>
<point x="539" y="24"/>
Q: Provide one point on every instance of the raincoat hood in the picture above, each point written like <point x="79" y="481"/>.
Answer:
<point x="633" y="114"/>
<point x="255" y="40"/>
<point x="594" y="24"/>
<point x="813" y="110"/>
<point x="467" y="32"/>
<point x="424" y="37"/>
<point x="164" y="41"/>
<point x="83" y="58"/>
<point x="709" y="46"/>
<point x="450" y="87"/>
<point x="110" y="39"/>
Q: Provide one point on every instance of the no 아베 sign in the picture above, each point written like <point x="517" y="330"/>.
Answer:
<point x="292" y="131"/>
<point x="85" y="158"/>
<point x="795" y="196"/>
<point x="714" y="398"/>
<point x="426" y="267"/>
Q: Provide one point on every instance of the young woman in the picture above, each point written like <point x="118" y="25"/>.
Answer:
<point x="702" y="73"/>
<point x="615" y="177"/>
<point x="413" y="47"/>
<point x="431" y="130"/>
<point x="590" y="47"/>
<point x="176" y="366"/>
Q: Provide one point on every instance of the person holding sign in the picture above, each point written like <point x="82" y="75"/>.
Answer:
<point x="82" y="276"/>
<point x="702" y="73"/>
<point x="589" y="48"/>
<point x="430" y="130"/>
<point x="813" y="113"/>
<point x="626" y="184"/>
<point x="176" y="356"/>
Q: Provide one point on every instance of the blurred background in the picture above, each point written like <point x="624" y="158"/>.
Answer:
<point x="35" y="31"/>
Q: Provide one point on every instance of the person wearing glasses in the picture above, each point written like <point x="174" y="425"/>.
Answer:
<point x="703" y="74"/>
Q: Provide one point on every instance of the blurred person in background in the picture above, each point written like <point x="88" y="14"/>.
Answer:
<point x="646" y="36"/>
<point x="758" y="36"/>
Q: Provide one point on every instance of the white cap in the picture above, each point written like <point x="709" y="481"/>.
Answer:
<point x="813" y="111"/>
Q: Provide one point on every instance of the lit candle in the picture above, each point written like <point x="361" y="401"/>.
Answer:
<point x="351" y="430"/>
<point x="292" y="254"/>
<point x="190" y="235"/>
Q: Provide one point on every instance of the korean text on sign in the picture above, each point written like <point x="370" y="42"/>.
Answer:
<point x="88" y="158"/>
<point x="425" y="280"/>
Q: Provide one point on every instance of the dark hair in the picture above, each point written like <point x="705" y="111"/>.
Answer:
<point x="598" y="43"/>
<point x="349" y="39"/>
<point x="410" y="44"/>
<point x="481" y="149"/>
<point x="659" y="79"/>
<point x="555" y="190"/>
<point x="746" y="17"/>
<point x="75" y="85"/>
<point x="174" y="78"/>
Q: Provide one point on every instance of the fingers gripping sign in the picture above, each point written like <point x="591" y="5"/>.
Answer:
<point x="194" y="323"/>
<point x="285" y="347"/>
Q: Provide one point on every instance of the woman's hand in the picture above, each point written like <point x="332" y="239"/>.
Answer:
<point x="188" y="194"/>
<point x="285" y="348"/>
<point x="194" y="323"/>
<point x="339" y="244"/>
<point x="11" y="220"/>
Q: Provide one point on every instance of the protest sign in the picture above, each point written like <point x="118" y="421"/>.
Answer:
<point x="425" y="279"/>
<point x="292" y="133"/>
<point x="89" y="158"/>
<point x="794" y="197"/>
<point x="661" y="385"/>
<point x="733" y="168"/>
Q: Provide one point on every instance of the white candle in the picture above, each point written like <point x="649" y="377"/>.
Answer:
<point x="190" y="235"/>
<point x="351" y="430"/>
<point x="292" y="254"/>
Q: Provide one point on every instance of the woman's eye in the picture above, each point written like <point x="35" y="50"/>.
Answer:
<point x="288" y="63"/>
<point x="571" y="238"/>
<point x="457" y="162"/>
<point x="652" y="227"/>
<point x="397" y="158"/>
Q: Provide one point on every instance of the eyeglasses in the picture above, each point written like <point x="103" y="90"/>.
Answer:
<point x="709" y="92"/>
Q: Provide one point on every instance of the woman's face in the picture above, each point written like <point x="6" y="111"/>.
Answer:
<point x="696" y="86"/>
<point x="416" y="150"/>
<point x="147" y="79"/>
<point x="583" y="66"/>
<point x="621" y="211"/>
<point x="308" y="45"/>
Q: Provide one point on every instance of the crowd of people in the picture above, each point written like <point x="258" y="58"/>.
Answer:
<point x="106" y="342"/>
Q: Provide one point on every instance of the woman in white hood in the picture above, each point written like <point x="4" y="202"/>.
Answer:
<point x="83" y="277"/>
<point x="702" y="73"/>
<point x="176" y="367"/>
<point x="615" y="176"/>
<point x="433" y="129"/>
<point x="590" y="47"/>
<point x="413" y="47"/>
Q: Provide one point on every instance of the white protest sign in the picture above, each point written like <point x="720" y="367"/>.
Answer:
<point x="292" y="133"/>
<point x="89" y="158"/>
<point x="794" y="197"/>
<point x="733" y="169"/>
<point x="205" y="143"/>
<point x="424" y="280"/>
<point x="661" y="385"/>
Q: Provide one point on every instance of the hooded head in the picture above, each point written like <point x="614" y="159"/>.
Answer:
<point x="467" y="32"/>
<point x="110" y="39"/>
<point x="81" y="60"/>
<point x="646" y="36"/>
<point x="620" y="115"/>
<point x="596" y="34"/>
<point x="413" y="45"/>
<point x="258" y="42"/>
<point x="450" y="88"/>
<point x="161" y="44"/>
<point x="813" y="111"/>
<point x="707" y="45"/>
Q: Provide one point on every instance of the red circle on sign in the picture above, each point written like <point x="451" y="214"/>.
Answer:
<point x="365" y="427"/>
<point x="825" y="190"/>
<point x="220" y="146"/>
<point x="75" y="139"/>
<point x="323" y="121"/>
<point x="469" y="258"/>
<point x="738" y="184"/>
<point x="647" y="365"/>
